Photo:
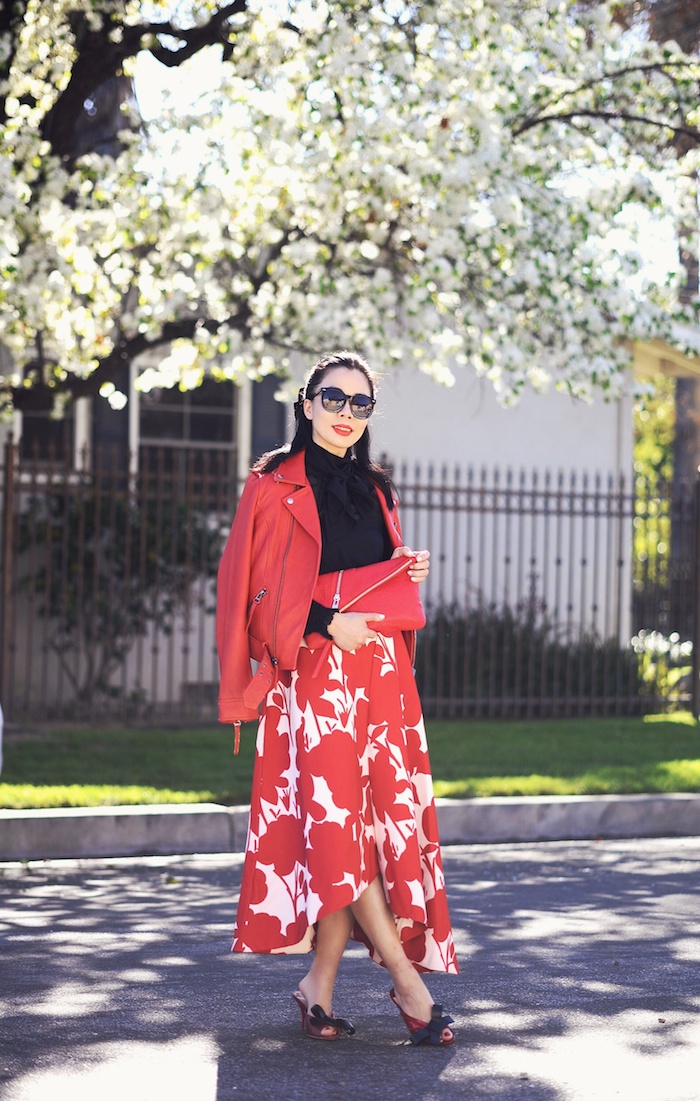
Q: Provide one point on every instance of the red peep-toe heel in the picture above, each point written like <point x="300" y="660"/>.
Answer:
<point x="316" y="1023"/>
<point x="435" y="1032"/>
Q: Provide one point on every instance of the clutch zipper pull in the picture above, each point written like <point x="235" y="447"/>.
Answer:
<point x="336" y="597"/>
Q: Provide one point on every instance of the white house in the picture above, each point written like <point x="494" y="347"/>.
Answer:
<point x="501" y="541"/>
<point x="417" y="421"/>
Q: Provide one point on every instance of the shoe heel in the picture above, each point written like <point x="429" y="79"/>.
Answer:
<point x="436" y="1032"/>
<point x="316" y="1023"/>
<point x="298" y="998"/>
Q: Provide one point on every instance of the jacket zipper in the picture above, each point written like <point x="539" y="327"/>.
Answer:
<point x="279" y="591"/>
<point x="256" y="600"/>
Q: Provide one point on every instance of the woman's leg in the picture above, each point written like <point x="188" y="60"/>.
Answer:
<point x="332" y="933"/>
<point x="375" y="917"/>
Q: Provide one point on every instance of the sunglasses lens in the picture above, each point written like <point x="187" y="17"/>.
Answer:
<point x="333" y="401"/>
<point x="361" y="407"/>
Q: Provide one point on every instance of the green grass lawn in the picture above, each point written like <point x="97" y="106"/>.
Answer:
<point x="69" y="766"/>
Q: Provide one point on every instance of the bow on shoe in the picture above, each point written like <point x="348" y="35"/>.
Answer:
<point x="432" y="1032"/>
<point x="320" y="1019"/>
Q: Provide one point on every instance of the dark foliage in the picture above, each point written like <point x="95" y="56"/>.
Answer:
<point x="103" y="570"/>
<point x="492" y="659"/>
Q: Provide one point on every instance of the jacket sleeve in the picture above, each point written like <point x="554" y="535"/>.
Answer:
<point x="397" y="521"/>
<point x="232" y="610"/>
<point x="397" y="537"/>
<point x="391" y="519"/>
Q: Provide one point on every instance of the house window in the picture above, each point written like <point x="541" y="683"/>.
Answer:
<point x="268" y="417"/>
<point x="172" y="422"/>
<point x="46" y="439"/>
<point x="190" y="441"/>
<point x="205" y="417"/>
<point x="205" y="420"/>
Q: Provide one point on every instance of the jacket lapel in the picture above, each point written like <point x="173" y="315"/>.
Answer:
<point x="297" y="494"/>
<point x="291" y="475"/>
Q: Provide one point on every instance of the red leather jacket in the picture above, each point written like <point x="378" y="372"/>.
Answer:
<point x="266" y="580"/>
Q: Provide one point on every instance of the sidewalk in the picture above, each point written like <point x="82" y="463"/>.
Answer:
<point x="580" y="982"/>
<point x="208" y="828"/>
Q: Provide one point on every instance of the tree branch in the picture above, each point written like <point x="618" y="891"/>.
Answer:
<point x="609" y="116"/>
<point x="665" y="70"/>
<point x="616" y="74"/>
<point x="11" y="19"/>
<point x="193" y="39"/>
<point x="127" y="348"/>
<point x="99" y="59"/>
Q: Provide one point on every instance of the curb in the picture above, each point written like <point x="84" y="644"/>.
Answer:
<point x="161" y="830"/>
<point x="567" y="818"/>
<point x="179" y="829"/>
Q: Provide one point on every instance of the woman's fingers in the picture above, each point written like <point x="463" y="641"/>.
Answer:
<point x="350" y="630"/>
<point x="419" y="570"/>
<point x="371" y="617"/>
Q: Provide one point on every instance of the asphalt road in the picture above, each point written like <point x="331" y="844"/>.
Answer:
<point x="580" y="982"/>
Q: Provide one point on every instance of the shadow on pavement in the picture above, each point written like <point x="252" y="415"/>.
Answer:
<point x="579" y="979"/>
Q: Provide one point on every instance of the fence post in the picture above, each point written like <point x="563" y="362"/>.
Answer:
<point x="6" y="588"/>
<point x="695" y="694"/>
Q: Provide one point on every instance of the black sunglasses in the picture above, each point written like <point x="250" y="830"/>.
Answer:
<point x="333" y="401"/>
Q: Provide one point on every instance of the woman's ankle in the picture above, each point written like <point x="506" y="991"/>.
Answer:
<point x="317" y="992"/>
<point x="407" y="981"/>
<point x="414" y="997"/>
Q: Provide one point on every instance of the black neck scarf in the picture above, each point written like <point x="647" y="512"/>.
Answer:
<point x="339" y="486"/>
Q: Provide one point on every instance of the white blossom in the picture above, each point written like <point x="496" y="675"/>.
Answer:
<point x="377" y="178"/>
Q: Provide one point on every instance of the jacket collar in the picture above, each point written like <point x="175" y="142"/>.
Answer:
<point x="293" y="470"/>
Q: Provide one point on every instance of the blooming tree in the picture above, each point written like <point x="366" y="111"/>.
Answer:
<point x="439" y="183"/>
<point x="664" y="20"/>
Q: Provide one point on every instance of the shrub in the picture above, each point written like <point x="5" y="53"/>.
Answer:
<point x="498" y="660"/>
<point x="105" y="569"/>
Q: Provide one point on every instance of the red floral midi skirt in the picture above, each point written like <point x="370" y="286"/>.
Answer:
<point x="342" y="793"/>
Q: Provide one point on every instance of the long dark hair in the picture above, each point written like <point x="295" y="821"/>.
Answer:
<point x="303" y="429"/>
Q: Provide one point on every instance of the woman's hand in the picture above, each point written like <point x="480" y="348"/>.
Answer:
<point x="420" y="568"/>
<point x="350" y="630"/>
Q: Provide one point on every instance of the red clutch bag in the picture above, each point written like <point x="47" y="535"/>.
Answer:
<point x="383" y="587"/>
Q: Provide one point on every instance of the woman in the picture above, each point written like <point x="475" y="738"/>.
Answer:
<point x="343" y="836"/>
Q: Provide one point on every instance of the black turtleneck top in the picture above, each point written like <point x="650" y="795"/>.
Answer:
<point x="353" y="532"/>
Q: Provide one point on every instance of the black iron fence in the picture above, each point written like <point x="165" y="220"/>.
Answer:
<point x="548" y="594"/>
<point x="553" y="594"/>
